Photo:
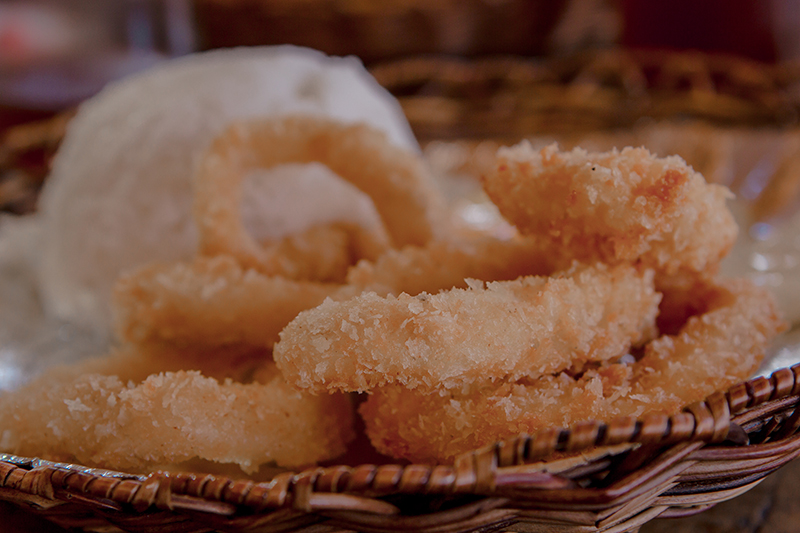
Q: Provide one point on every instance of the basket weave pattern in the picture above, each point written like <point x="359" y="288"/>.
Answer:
<point x="590" y="477"/>
<point x="511" y="97"/>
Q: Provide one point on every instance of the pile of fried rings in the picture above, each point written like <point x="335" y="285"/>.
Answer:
<point x="605" y="304"/>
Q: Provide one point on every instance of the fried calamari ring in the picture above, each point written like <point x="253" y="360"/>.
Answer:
<point x="442" y="265"/>
<point x="614" y="206"/>
<point x="394" y="178"/>
<point x="172" y="417"/>
<point x="210" y="302"/>
<point x="712" y="351"/>
<point x="324" y="252"/>
<point x="134" y="362"/>
<point x="505" y="330"/>
<point x="215" y="302"/>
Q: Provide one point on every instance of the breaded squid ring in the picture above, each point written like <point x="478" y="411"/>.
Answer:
<point x="210" y="302"/>
<point x="170" y="418"/>
<point x="614" y="206"/>
<point x="442" y="265"/>
<point x="324" y="252"/>
<point x="529" y="327"/>
<point x="712" y="351"/>
<point x="215" y="302"/>
<point x="394" y="178"/>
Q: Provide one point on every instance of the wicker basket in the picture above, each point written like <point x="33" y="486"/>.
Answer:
<point x="590" y="477"/>
<point x="510" y="97"/>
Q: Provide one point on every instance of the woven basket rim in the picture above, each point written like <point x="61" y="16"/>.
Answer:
<point x="655" y="449"/>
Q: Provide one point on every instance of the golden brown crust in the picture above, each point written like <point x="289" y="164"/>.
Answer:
<point x="210" y="302"/>
<point x="502" y="330"/>
<point x="172" y="417"/>
<point x="615" y="206"/>
<point x="446" y="264"/>
<point x="394" y="178"/>
<point x="323" y="252"/>
<point x="711" y="352"/>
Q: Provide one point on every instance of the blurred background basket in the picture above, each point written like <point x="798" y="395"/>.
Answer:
<point x="512" y="97"/>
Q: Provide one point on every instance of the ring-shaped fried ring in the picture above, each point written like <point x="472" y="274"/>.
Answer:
<point x="393" y="178"/>
<point x="711" y="351"/>
<point x="531" y="326"/>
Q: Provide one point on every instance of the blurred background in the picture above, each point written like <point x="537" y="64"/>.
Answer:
<point x="54" y="53"/>
<point x="460" y="68"/>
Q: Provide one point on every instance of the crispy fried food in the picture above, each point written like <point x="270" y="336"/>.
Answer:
<point x="214" y="302"/>
<point x="615" y="206"/>
<point x="444" y="264"/>
<point x="505" y="330"/>
<point x="394" y="178"/>
<point x="562" y="324"/>
<point x="135" y="362"/>
<point x="712" y="351"/>
<point x="171" y="417"/>
<point x="210" y="302"/>
<point x="325" y="252"/>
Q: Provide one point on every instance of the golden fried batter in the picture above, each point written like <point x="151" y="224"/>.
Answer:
<point x="615" y="206"/>
<point x="210" y="302"/>
<point x="712" y="351"/>
<point x="171" y="417"/>
<point x="503" y="330"/>
<point x="444" y="264"/>
<point x="395" y="179"/>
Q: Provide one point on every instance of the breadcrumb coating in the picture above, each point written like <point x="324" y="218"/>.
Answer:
<point x="395" y="179"/>
<point x="323" y="252"/>
<point x="210" y="302"/>
<point x="444" y="264"/>
<point x="172" y="417"/>
<point x="501" y="330"/>
<point x="713" y="350"/>
<point x="615" y="206"/>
